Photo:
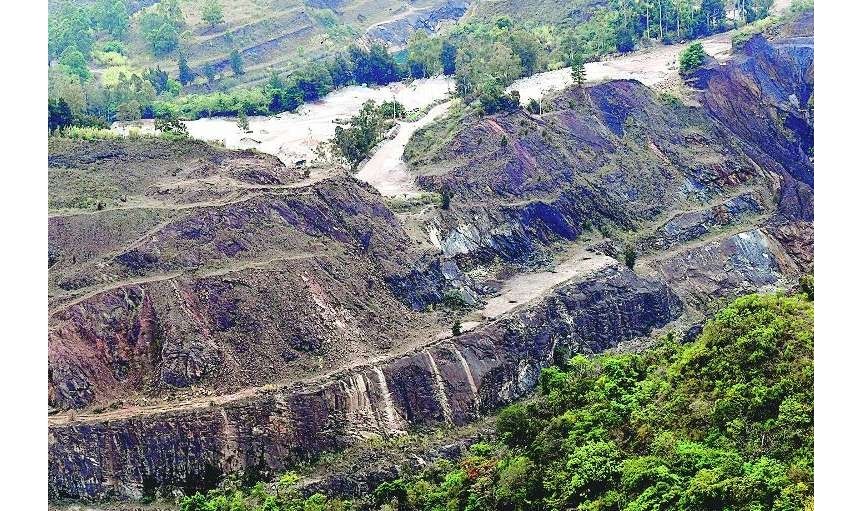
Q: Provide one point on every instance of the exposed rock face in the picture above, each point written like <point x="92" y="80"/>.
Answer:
<point x="219" y="287"/>
<point x="773" y="78"/>
<point x="613" y="156"/>
<point x="616" y="155"/>
<point x="745" y="262"/>
<point x="397" y="32"/>
<point x="691" y="225"/>
<point x="450" y="381"/>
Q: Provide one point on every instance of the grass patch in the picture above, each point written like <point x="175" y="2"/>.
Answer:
<point x="413" y="204"/>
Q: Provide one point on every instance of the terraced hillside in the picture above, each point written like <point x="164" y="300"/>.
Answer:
<point x="214" y="313"/>
<point x="282" y="34"/>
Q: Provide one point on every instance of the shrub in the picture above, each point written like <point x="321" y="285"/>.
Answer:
<point x="629" y="255"/>
<point x="446" y="198"/>
<point x="691" y="58"/>
<point x="172" y="129"/>
<point x="456" y="328"/>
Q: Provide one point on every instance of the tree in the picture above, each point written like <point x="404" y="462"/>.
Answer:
<point x="456" y="328"/>
<point x="448" y="54"/>
<point x="236" y="62"/>
<point x="158" y="78"/>
<point x="526" y="47"/>
<point x="70" y="26"/>
<point x="691" y="58"/>
<point x="129" y="111"/>
<point x="164" y="39"/>
<point x="579" y="72"/>
<point x="629" y="255"/>
<point x="59" y="114"/>
<point x="113" y="17"/>
<point x="242" y="121"/>
<point x="423" y="55"/>
<point x="74" y="61"/>
<point x="714" y="14"/>
<point x="186" y="74"/>
<point x="161" y="25"/>
<point x="209" y="72"/>
<point x="212" y="13"/>
<point x="172" y="127"/>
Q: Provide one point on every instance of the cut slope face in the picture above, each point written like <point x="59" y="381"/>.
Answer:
<point x="451" y="381"/>
<point x="245" y="287"/>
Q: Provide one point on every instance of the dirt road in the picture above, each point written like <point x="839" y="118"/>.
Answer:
<point x="386" y="170"/>
<point x="650" y="66"/>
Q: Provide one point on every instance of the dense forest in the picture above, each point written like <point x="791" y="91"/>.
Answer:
<point x="483" y="55"/>
<point x="722" y="422"/>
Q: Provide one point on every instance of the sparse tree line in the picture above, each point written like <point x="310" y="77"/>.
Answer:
<point x="483" y="56"/>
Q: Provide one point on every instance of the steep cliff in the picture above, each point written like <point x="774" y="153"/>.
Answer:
<point x="128" y="452"/>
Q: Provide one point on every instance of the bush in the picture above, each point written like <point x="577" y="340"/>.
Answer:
<point x="629" y="255"/>
<point x="172" y="128"/>
<point x="86" y="133"/>
<point x="446" y="198"/>
<point x="691" y="58"/>
<point x="114" y="47"/>
<point x="456" y="328"/>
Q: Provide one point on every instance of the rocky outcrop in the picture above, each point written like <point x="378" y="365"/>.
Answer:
<point x="618" y="156"/>
<point x="128" y="453"/>
<point x="397" y="32"/>
<point x="764" y="95"/>
<point x="749" y="261"/>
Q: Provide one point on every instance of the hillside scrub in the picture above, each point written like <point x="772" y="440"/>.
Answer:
<point x="724" y="422"/>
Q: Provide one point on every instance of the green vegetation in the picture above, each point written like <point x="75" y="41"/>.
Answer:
<point x="456" y="328"/>
<point x="236" y="64"/>
<point x="579" y="73"/>
<point x="365" y="130"/>
<point x="161" y="26"/>
<point x="691" y="58"/>
<point x="172" y="129"/>
<point x="185" y="72"/>
<point x="725" y="422"/>
<point x="629" y="256"/>
<point x="770" y="23"/>
<point x="413" y="203"/>
<point x="286" y="498"/>
<point x="212" y="13"/>
<point x="242" y="121"/>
